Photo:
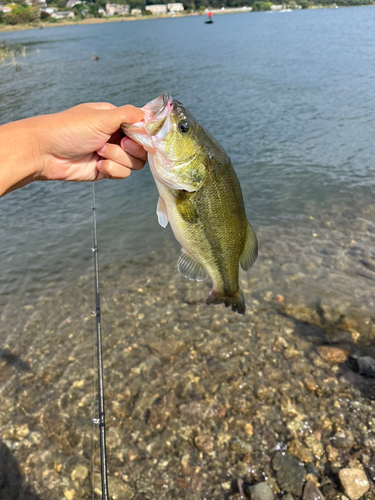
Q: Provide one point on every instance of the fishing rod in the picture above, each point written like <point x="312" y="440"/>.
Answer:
<point x="101" y="419"/>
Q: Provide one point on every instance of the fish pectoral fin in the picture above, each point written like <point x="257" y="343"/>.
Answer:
<point x="250" y="251"/>
<point x="161" y="211"/>
<point x="185" y="207"/>
<point x="190" y="268"/>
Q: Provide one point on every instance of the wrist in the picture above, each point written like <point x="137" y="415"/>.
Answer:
<point x="21" y="156"/>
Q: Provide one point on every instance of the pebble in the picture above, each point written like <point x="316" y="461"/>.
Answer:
<point x="79" y="473"/>
<point x="333" y="355"/>
<point x="314" y="445"/>
<point x="249" y="429"/>
<point x="69" y="494"/>
<point x="16" y="432"/>
<point x="354" y="483"/>
<point x="332" y="453"/>
<point x="239" y="446"/>
<point x="311" y="492"/>
<point x="343" y="439"/>
<point x="298" y="451"/>
<point x="290" y="474"/>
<point x="329" y="491"/>
<point x="118" y="490"/>
<point x="261" y="491"/>
<point x="310" y="384"/>
<point x="290" y="353"/>
<point x="204" y="443"/>
<point x="312" y="479"/>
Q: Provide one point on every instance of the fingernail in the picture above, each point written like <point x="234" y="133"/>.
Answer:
<point x="99" y="164"/>
<point x="101" y="150"/>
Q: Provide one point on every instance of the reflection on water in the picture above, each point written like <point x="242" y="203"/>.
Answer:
<point x="200" y="401"/>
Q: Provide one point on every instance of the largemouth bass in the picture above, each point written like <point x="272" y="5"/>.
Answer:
<point x="200" y="196"/>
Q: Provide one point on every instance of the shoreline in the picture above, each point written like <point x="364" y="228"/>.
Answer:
<point x="100" y="20"/>
<point x="91" y="20"/>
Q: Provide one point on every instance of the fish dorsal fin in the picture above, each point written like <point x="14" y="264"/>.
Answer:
<point x="161" y="211"/>
<point x="250" y="251"/>
<point x="190" y="268"/>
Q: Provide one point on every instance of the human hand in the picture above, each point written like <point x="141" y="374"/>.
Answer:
<point x="85" y="143"/>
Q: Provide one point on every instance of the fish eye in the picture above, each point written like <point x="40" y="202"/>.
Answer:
<point x="183" y="127"/>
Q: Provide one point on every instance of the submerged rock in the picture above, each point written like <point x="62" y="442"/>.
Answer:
<point x="311" y="492"/>
<point x="261" y="491"/>
<point x="365" y="365"/>
<point x="343" y="439"/>
<point x="354" y="483"/>
<point x="290" y="474"/>
<point x="334" y="354"/>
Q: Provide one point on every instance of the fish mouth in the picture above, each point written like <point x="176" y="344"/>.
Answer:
<point x="155" y="123"/>
<point x="157" y="106"/>
<point x="157" y="114"/>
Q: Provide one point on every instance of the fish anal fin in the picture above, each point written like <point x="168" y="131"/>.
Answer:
<point x="250" y="251"/>
<point x="161" y="211"/>
<point x="190" y="268"/>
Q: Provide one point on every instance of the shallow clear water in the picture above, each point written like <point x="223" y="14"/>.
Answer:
<point x="290" y="97"/>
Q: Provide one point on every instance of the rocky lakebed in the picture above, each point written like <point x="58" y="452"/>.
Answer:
<point x="201" y="403"/>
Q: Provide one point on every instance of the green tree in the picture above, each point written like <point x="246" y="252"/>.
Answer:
<point x="258" y="6"/>
<point x="20" y="14"/>
<point x="137" y="4"/>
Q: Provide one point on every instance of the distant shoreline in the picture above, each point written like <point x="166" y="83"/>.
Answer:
<point x="90" y="20"/>
<point x="100" y="20"/>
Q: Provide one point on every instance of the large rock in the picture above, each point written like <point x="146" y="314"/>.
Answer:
<point x="354" y="483"/>
<point x="290" y="474"/>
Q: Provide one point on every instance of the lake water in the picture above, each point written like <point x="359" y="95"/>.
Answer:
<point x="290" y="97"/>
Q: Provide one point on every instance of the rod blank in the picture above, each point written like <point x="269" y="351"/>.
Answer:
<point x="103" y="457"/>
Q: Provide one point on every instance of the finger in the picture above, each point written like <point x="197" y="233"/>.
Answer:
<point x="116" y="154"/>
<point x="100" y="105"/>
<point x="131" y="114"/>
<point x="112" y="170"/>
<point x="133" y="148"/>
<point x="112" y="119"/>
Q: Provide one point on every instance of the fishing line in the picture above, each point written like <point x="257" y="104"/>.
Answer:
<point x="101" y="419"/>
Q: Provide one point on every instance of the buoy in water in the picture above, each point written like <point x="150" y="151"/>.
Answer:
<point x="209" y="19"/>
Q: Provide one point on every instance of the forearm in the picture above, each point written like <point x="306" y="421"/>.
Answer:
<point x="21" y="159"/>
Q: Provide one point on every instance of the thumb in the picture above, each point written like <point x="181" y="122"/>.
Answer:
<point x="115" y="117"/>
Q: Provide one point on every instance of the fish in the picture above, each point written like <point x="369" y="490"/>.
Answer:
<point x="199" y="196"/>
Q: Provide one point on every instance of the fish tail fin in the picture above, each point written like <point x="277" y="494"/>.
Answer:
<point x="236" y="301"/>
